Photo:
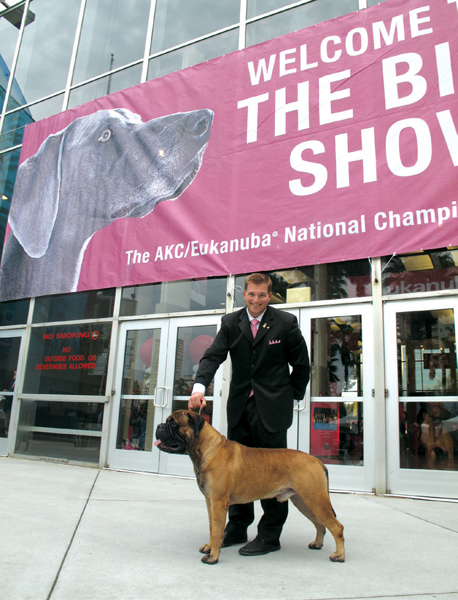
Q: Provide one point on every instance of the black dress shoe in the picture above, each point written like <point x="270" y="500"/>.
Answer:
<point x="232" y="537"/>
<point x="258" y="547"/>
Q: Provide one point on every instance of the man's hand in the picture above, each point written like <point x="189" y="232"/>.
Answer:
<point x="197" y="400"/>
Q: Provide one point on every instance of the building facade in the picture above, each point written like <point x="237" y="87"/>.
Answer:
<point x="87" y="376"/>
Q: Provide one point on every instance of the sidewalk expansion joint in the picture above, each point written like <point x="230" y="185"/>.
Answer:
<point x="56" y="579"/>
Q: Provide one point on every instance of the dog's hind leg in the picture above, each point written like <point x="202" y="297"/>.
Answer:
<point x="317" y="544"/>
<point x="324" y="516"/>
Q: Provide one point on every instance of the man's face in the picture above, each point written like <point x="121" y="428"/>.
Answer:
<point x="257" y="298"/>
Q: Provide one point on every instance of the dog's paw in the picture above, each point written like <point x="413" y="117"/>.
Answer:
<point x="208" y="560"/>
<point x="205" y="549"/>
<point x="314" y="546"/>
<point x="337" y="557"/>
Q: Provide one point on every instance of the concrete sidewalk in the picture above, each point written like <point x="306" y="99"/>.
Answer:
<point x="74" y="533"/>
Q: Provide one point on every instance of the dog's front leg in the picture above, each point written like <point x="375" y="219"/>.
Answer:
<point x="218" y="512"/>
<point x="206" y="548"/>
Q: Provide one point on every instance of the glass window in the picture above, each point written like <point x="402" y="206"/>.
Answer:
<point x="427" y="367"/>
<point x="140" y="376"/>
<point x="179" y="21"/>
<point x="426" y="353"/>
<point x="68" y="359"/>
<point x="191" y="345"/>
<point x="13" y="128"/>
<point x="174" y="296"/>
<point x="193" y="54"/>
<point x="9" y="23"/>
<point x="46" y="50"/>
<point x="62" y="430"/>
<point x="297" y="18"/>
<point x="9" y="354"/>
<point x="14" y="312"/>
<point x="106" y="85"/>
<point x="259" y="7"/>
<point x="336" y="428"/>
<point x="428" y="271"/>
<point x="336" y="432"/>
<point x="113" y="35"/>
<point x="428" y="434"/>
<point x="15" y="122"/>
<point x="9" y="162"/>
<point x="336" y="357"/>
<point x="333" y="281"/>
<point x="94" y="304"/>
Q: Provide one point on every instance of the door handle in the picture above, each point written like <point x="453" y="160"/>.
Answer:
<point x="298" y="407"/>
<point x="160" y="387"/>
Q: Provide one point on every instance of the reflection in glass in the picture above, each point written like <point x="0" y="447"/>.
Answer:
<point x="336" y="435"/>
<point x="14" y="312"/>
<point x="191" y="345"/>
<point x="15" y="122"/>
<point x="426" y="353"/>
<point x="336" y="356"/>
<point x="298" y="18"/>
<point x="428" y="433"/>
<point x="140" y="377"/>
<point x="9" y="353"/>
<point x="13" y="128"/>
<point x="193" y="54"/>
<point x="135" y="425"/>
<point x="174" y="296"/>
<point x="113" y="35"/>
<point x="94" y="304"/>
<point x="178" y="21"/>
<point x="259" y="7"/>
<point x="428" y="271"/>
<point x="77" y="426"/>
<point x="44" y="58"/>
<point x="106" y="85"/>
<point x="9" y="162"/>
<point x="141" y="362"/>
<point x="8" y="37"/>
<point x="332" y="281"/>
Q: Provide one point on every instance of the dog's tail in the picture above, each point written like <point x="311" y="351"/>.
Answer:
<point x="327" y="482"/>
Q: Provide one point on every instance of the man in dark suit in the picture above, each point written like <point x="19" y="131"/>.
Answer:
<point x="263" y="343"/>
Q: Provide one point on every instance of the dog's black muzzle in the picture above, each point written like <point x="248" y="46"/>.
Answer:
<point x="169" y="441"/>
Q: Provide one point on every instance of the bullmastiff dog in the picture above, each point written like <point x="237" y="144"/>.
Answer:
<point x="229" y="473"/>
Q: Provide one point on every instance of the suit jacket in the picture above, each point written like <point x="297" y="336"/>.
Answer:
<point x="260" y="364"/>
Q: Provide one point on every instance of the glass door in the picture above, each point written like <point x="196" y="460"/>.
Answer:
<point x="140" y="395"/>
<point x="422" y="403"/>
<point x="189" y="337"/>
<point x="338" y="418"/>
<point x="156" y="365"/>
<point x="10" y="346"/>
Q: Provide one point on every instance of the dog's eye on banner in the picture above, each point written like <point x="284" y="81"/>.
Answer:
<point x="106" y="135"/>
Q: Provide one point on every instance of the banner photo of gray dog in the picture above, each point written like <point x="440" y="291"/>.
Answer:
<point x="102" y="167"/>
<point x="337" y="142"/>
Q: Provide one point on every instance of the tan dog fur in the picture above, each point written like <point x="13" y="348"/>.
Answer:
<point x="229" y="473"/>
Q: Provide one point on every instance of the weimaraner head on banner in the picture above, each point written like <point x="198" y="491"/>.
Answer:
<point x="102" y="167"/>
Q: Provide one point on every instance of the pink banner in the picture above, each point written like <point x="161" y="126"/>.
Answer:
<point x="336" y="142"/>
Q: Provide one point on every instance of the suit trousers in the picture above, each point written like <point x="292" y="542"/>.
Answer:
<point x="250" y="431"/>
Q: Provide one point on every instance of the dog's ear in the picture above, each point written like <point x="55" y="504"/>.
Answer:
<point x="36" y="197"/>
<point x="196" y="421"/>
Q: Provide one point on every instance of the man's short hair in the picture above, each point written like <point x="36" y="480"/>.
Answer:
<point x="259" y="279"/>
